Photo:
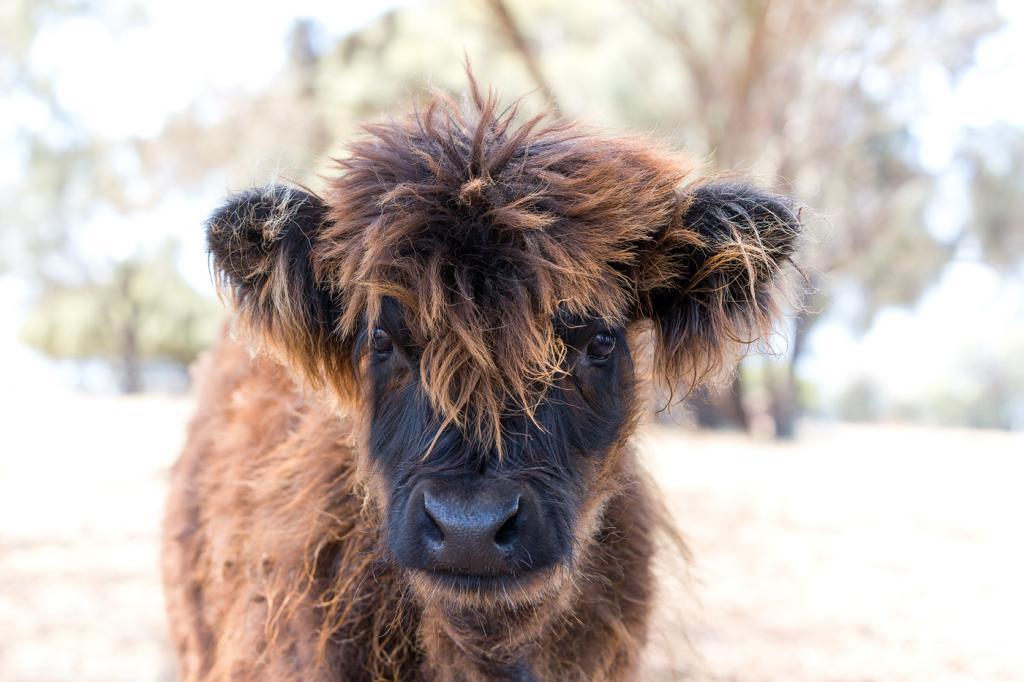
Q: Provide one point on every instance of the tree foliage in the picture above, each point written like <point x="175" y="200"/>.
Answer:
<point x="143" y="310"/>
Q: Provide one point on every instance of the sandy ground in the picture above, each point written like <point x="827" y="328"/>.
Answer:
<point x="858" y="553"/>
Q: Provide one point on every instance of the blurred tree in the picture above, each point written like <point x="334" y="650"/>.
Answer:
<point x="816" y="97"/>
<point x="281" y="131"/>
<point x="141" y="311"/>
<point x="994" y="159"/>
<point x="72" y="181"/>
<point x="859" y="402"/>
<point x="990" y="393"/>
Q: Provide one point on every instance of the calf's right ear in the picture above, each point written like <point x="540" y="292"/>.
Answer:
<point x="261" y="243"/>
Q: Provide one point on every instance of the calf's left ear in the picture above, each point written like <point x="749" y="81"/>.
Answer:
<point x="710" y="282"/>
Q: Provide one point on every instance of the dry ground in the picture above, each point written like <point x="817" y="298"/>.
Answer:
<point x="859" y="553"/>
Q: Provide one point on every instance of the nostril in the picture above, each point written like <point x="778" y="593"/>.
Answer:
<point x="509" y="530"/>
<point x="431" y="528"/>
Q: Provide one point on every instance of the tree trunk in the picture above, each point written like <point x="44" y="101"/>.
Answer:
<point x="721" y="408"/>
<point x="785" y="406"/>
<point x="785" y="389"/>
<point x="131" y="369"/>
<point x="131" y="366"/>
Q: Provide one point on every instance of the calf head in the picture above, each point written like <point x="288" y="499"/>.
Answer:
<point x="475" y="290"/>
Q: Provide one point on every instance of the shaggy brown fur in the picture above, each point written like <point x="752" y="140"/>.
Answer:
<point x="274" y="564"/>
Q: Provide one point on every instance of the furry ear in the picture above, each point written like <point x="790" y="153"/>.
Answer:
<point x="261" y="243"/>
<point x="710" y="282"/>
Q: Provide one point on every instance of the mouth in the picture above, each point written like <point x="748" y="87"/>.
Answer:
<point x="475" y="582"/>
<point x="475" y="588"/>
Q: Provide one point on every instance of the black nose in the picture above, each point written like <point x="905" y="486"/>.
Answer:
<point x="474" y="529"/>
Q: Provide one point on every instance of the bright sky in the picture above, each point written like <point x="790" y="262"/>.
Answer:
<point x="124" y="81"/>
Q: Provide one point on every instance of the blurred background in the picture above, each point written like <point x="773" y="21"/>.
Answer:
<point x="852" y="496"/>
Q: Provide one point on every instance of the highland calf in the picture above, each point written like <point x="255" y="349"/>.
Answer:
<point x="417" y="465"/>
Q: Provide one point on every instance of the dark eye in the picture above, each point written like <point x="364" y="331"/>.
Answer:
<point x="381" y="342"/>
<point x="601" y="347"/>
